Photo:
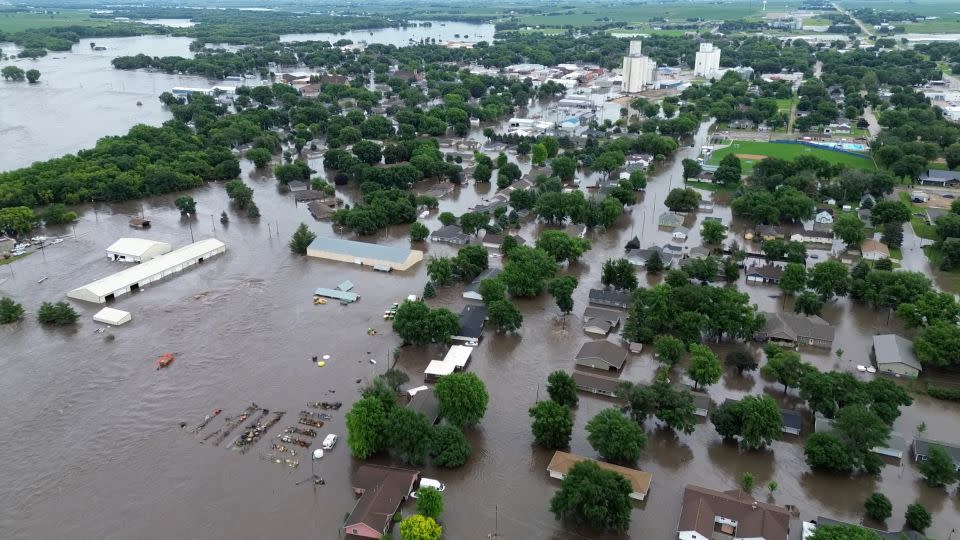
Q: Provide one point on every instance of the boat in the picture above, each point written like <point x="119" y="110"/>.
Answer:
<point x="165" y="360"/>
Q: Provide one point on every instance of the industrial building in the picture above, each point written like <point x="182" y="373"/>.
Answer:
<point x="707" y="62"/>
<point x="136" y="250"/>
<point x="384" y="258"/>
<point x="135" y="278"/>
<point x="638" y="70"/>
<point x="114" y="317"/>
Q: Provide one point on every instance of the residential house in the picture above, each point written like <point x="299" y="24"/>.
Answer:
<point x="596" y="384"/>
<point x="472" y="292"/>
<point x="561" y="463"/>
<point x="472" y="320"/>
<point x="601" y="355"/>
<point x="451" y="234"/>
<point x="680" y="234"/>
<point x="600" y="321"/>
<point x="490" y="206"/>
<point x="669" y="220"/>
<point x="921" y="450"/>
<point x="767" y="274"/>
<point x="610" y="297"/>
<point x="494" y="241"/>
<point x="456" y="359"/>
<point x="769" y="232"/>
<point x="735" y="514"/>
<point x="894" y="447"/>
<point x="382" y="490"/>
<point x="874" y="250"/>
<point x="791" y="422"/>
<point x="939" y="178"/>
<point x="310" y="90"/>
<point x="813" y="237"/>
<point x="704" y="176"/>
<point x="742" y="123"/>
<point x="823" y="215"/>
<point x="894" y="355"/>
<point x="425" y="403"/>
<point x="639" y="257"/>
<point x="796" y="329"/>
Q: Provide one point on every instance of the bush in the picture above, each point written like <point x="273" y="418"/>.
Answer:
<point x="449" y="447"/>
<point x="878" y="507"/>
<point x="918" y="518"/>
<point x="59" y="314"/>
<point x="10" y="311"/>
<point x="938" y="392"/>
<point x="302" y="239"/>
<point x="419" y="232"/>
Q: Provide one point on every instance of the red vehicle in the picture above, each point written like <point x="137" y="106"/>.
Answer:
<point x="165" y="360"/>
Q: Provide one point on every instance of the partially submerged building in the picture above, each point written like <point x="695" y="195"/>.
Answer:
<point x="610" y="297"/>
<point x="794" y="329"/>
<point x="425" y="403"/>
<point x="894" y="355"/>
<point x="472" y="292"/>
<point x="136" y="250"/>
<point x="921" y="450"/>
<point x="472" y="320"/>
<point x="455" y="360"/>
<point x="595" y="384"/>
<point x="113" y="317"/>
<point x="601" y="355"/>
<point x="137" y="277"/>
<point x="381" y="490"/>
<point x="600" y="321"/>
<point x="379" y="257"/>
<point x="562" y="462"/>
<point x="708" y="514"/>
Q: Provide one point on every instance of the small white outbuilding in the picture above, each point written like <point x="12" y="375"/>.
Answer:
<point x="136" y="250"/>
<point x="111" y="316"/>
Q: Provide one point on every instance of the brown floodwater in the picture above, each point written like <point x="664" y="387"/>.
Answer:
<point x="93" y="447"/>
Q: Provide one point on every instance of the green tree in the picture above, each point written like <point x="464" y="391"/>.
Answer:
<point x="33" y="75"/>
<point x="638" y="180"/>
<point x="761" y="421"/>
<point x="704" y="366"/>
<point x="690" y="169"/>
<point x="461" y="398"/>
<point x="491" y="290"/>
<point x="939" y="468"/>
<point x="58" y="314"/>
<point x="562" y="388"/>
<point x="504" y="315"/>
<point x="595" y="497"/>
<point x="417" y="527"/>
<point x="368" y="152"/>
<point x="429" y="290"/>
<point x="419" y="232"/>
<point x="825" y="451"/>
<point x="408" y="435"/>
<point x="429" y="502"/>
<point x="260" y="157"/>
<point x="727" y="419"/>
<point x="301" y="239"/>
<point x="793" y="279"/>
<point x="952" y="155"/>
<point x="552" y="424"/>
<point x="829" y="279"/>
<point x="918" y="518"/>
<point x="878" y="507"/>
<point x="808" y="303"/>
<point x="482" y="173"/>
<point x="713" y="232"/>
<point x="615" y="437"/>
<point x="366" y="427"/>
<point x="746" y="481"/>
<point x="843" y="532"/>
<point x="860" y="430"/>
<point x="561" y="289"/>
<point x="889" y="212"/>
<point x="539" y="154"/>
<point x="17" y="220"/>
<point x="742" y="360"/>
<point x="654" y="263"/>
<point x="564" y="168"/>
<point x="669" y="349"/>
<point x="58" y="214"/>
<point x="618" y="273"/>
<point x="417" y="324"/>
<point x="12" y="73"/>
<point x="449" y="447"/>
<point x="447" y="218"/>
<point x="526" y="270"/>
<point x="784" y="366"/>
<point x="938" y="344"/>
<point x="682" y="200"/>
<point x="10" y="311"/>
<point x="850" y="229"/>
<point x="562" y="246"/>
<point x="440" y="270"/>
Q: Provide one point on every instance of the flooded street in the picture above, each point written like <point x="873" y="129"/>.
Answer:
<point x="93" y="447"/>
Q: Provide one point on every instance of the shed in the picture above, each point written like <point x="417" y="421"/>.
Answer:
<point x="346" y="297"/>
<point x="364" y="253"/>
<point x="135" y="278"/>
<point x="792" y="422"/>
<point x="701" y="403"/>
<point x="601" y="355"/>
<point x="596" y="384"/>
<point x="561" y="463"/>
<point x="112" y="316"/>
<point x="894" y="354"/>
<point x="136" y="250"/>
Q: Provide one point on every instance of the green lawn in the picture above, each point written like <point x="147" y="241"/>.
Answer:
<point x="14" y="259"/>
<point x="18" y="21"/>
<point x="920" y="226"/>
<point x="711" y="187"/>
<point x="787" y="151"/>
<point x="784" y="105"/>
<point x="939" y="26"/>
<point x="590" y="15"/>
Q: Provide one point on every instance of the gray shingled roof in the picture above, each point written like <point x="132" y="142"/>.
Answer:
<point x="893" y="349"/>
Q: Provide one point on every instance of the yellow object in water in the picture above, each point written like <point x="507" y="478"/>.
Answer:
<point x="321" y="363"/>
<point x="319" y="301"/>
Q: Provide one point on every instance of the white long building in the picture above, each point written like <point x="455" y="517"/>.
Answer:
<point x="707" y="61"/>
<point x="135" y="278"/>
<point x="136" y="250"/>
<point x="638" y="69"/>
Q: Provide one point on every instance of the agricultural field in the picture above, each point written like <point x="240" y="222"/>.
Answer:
<point x="638" y="13"/>
<point x="947" y="11"/>
<point x="751" y="152"/>
<point x="12" y="22"/>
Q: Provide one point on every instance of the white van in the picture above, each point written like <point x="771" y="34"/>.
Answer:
<point x="429" y="482"/>
<point x="329" y="441"/>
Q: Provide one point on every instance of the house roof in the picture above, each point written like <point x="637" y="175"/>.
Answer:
<point x="608" y="353"/>
<point x="590" y="380"/>
<point x="872" y="245"/>
<point x="472" y="320"/>
<point x="937" y="175"/>
<point x="425" y="402"/>
<point x="754" y="519"/>
<point x="609" y="295"/>
<point x="639" y="480"/>
<point x="449" y="232"/>
<point x="489" y="273"/>
<point x="607" y="315"/>
<point x="922" y="446"/>
<point x="894" y="349"/>
<point x="767" y="271"/>
<point x="791" y="419"/>
<point x="793" y="326"/>
<point x="700" y="400"/>
<point x="360" y="249"/>
<point x="669" y="219"/>
<point x="384" y="489"/>
<point x="497" y="239"/>
<point x="137" y="247"/>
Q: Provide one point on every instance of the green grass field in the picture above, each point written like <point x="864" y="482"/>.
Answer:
<point x="787" y="151"/>
<point x="939" y="26"/>
<point x="590" y="15"/>
<point x="12" y="22"/>
<point x="920" y="226"/>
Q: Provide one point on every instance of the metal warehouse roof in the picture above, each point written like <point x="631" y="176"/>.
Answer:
<point x="135" y="246"/>
<point x="136" y="274"/>
<point x="361" y="249"/>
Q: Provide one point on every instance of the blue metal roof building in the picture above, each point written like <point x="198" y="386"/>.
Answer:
<point x="364" y="253"/>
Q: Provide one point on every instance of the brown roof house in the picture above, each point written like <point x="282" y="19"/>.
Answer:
<point x="601" y="355"/>
<point x="792" y="328"/>
<point x="382" y="490"/>
<point x="561" y="463"/>
<point x="596" y="384"/>
<point x="712" y="515"/>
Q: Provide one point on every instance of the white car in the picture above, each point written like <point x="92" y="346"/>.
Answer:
<point x="871" y="369"/>
<point x="861" y="367"/>
<point x="329" y="441"/>
<point x="429" y="482"/>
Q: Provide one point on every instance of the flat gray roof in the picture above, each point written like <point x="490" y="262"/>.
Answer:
<point x="361" y="249"/>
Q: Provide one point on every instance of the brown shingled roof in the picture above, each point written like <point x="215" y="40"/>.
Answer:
<point x="754" y="519"/>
